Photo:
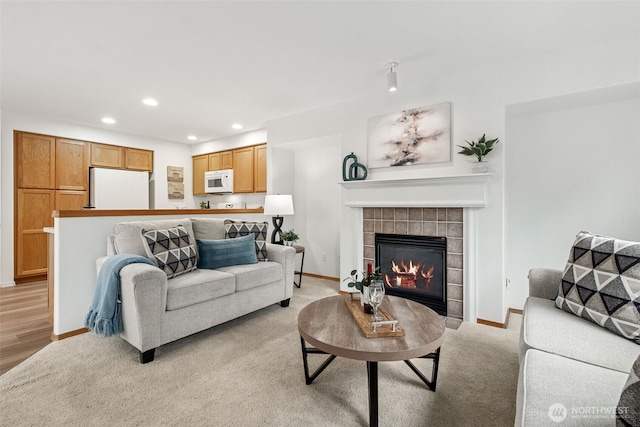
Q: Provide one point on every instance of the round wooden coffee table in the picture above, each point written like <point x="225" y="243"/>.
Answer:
<point x="329" y="327"/>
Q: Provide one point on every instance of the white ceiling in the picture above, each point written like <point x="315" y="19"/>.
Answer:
<point x="213" y="63"/>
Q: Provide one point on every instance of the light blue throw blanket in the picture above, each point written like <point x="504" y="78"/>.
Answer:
<point x="104" y="316"/>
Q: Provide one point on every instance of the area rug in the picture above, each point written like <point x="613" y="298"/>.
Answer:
<point x="249" y="372"/>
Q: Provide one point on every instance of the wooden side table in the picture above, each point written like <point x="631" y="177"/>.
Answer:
<point x="299" y="250"/>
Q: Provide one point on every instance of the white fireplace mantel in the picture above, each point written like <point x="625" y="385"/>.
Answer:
<point x="442" y="191"/>
<point x="465" y="191"/>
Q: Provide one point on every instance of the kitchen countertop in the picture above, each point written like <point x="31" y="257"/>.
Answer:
<point x="142" y="212"/>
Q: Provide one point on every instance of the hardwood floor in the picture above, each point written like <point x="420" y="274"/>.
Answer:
<point x="24" y="325"/>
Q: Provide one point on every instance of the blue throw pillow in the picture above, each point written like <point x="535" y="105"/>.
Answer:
<point x="223" y="253"/>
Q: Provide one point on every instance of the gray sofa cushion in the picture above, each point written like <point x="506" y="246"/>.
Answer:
<point x="198" y="286"/>
<point x="254" y="275"/>
<point x="554" y="390"/>
<point x="126" y="235"/>
<point x="546" y="328"/>
<point x="601" y="282"/>
<point x="208" y="228"/>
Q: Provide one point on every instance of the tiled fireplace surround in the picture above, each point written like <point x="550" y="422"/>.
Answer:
<point x="440" y="222"/>
<point x="438" y="206"/>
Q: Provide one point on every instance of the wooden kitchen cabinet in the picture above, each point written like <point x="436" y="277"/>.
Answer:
<point x="72" y="164"/>
<point x="220" y="160"/>
<point x="249" y="166"/>
<point x="33" y="213"/>
<point x="52" y="173"/>
<point x="35" y="160"/>
<point x="226" y="160"/>
<point x="139" y="160"/>
<point x="117" y="157"/>
<point x="200" y="166"/>
<point x="70" y="200"/>
<point x="260" y="168"/>
<point x="243" y="170"/>
<point x="107" y="156"/>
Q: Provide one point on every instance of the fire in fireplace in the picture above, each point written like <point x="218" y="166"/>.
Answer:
<point x="414" y="267"/>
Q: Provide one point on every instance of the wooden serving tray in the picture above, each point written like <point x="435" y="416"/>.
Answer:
<point x="363" y="319"/>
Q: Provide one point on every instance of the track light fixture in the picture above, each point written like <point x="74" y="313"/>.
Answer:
<point x="392" y="79"/>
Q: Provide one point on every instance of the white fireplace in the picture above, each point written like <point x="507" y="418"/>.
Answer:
<point x="467" y="192"/>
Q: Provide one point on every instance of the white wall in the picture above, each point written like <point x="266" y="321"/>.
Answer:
<point x="569" y="169"/>
<point x="164" y="154"/>
<point x="479" y="99"/>
<point x="316" y="168"/>
<point x="229" y="143"/>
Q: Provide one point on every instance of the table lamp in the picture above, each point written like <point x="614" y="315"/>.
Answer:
<point x="277" y="205"/>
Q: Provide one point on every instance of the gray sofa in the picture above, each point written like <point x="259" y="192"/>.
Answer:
<point x="572" y="371"/>
<point x="157" y="310"/>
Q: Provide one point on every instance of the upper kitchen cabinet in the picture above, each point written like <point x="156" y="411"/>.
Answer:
<point x="249" y="166"/>
<point x="107" y="156"/>
<point x="139" y="160"/>
<point x="200" y="166"/>
<point x="117" y="157"/>
<point x="243" y="170"/>
<point x="220" y="160"/>
<point x="260" y="168"/>
<point x="72" y="164"/>
<point x="35" y="160"/>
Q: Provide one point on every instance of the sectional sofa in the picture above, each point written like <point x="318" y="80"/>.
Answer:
<point x="575" y="360"/>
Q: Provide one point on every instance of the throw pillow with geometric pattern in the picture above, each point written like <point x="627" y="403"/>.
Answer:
<point x="601" y="283"/>
<point x="235" y="229"/>
<point x="171" y="250"/>
<point x="628" y="413"/>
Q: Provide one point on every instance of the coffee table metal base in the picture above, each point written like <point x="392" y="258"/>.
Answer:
<point x="372" y="375"/>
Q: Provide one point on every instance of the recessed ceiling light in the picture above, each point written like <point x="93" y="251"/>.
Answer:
<point x="150" y="101"/>
<point x="192" y="138"/>
<point x="108" y="120"/>
<point x="236" y="126"/>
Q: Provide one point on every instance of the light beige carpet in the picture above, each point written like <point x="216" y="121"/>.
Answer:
<point x="249" y="372"/>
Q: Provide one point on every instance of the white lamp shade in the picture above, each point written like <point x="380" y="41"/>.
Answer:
<point x="278" y="204"/>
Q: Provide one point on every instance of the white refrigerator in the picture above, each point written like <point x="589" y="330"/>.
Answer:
<point x="118" y="189"/>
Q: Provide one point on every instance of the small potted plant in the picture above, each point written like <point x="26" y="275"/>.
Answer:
<point x="289" y="237"/>
<point x="479" y="149"/>
<point x="353" y="281"/>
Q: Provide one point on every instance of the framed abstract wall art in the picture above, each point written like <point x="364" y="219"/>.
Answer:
<point x="410" y="137"/>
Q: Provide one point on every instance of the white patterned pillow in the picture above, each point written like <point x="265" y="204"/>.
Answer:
<point x="235" y="229"/>
<point x="601" y="283"/>
<point x="171" y="250"/>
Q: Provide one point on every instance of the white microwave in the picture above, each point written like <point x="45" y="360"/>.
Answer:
<point x="218" y="181"/>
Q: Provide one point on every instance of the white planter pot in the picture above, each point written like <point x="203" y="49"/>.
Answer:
<point x="480" y="167"/>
